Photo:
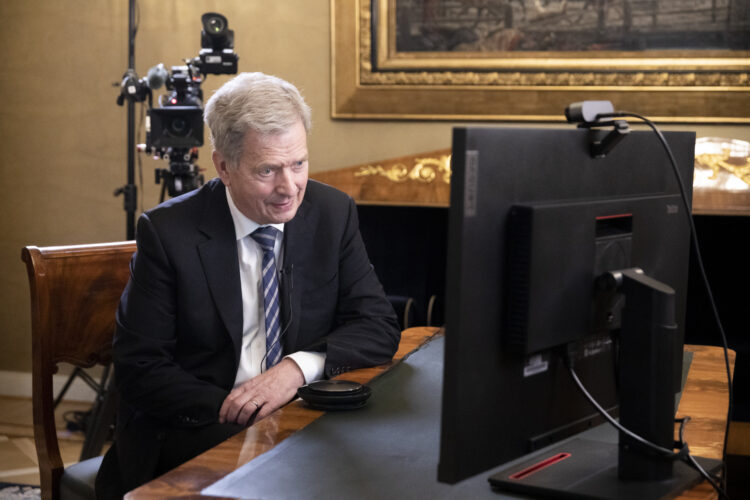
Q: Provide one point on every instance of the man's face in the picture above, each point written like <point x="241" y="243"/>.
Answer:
<point x="269" y="183"/>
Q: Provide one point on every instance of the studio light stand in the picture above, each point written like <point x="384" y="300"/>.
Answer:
<point x="131" y="90"/>
<point x="101" y="417"/>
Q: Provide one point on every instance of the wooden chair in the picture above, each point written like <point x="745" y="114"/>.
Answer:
<point x="74" y="295"/>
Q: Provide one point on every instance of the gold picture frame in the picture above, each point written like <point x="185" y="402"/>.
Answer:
<point x="372" y="80"/>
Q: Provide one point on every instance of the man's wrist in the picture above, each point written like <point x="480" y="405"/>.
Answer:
<point x="310" y="363"/>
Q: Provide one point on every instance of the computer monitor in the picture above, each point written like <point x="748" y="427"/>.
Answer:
<point x="534" y="220"/>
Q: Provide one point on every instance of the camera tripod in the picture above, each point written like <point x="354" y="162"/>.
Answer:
<point x="183" y="174"/>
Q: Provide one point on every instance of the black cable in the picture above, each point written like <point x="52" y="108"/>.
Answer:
<point x="76" y="421"/>
<point x="286" y="327"/>
<point x="648" y="444"/>
<point x="716" y="486"/>
<point x="694" y="463"/>
<point x="684" y="453"/>
<point x="137" y="20"/>
<point x="136" y="24"/>
<point x="139" y="157"/>
<point x="699" y="259"/>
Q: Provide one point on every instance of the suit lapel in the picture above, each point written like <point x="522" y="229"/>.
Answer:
<point x="297" y="237"/>
<point x="220" y="262"/>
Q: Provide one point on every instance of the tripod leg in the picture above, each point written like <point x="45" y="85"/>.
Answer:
<point x="67" y="385"/>
<point x="102" y="416"/>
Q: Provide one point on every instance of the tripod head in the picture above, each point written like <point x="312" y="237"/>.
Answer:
<point x="183" y="174"/>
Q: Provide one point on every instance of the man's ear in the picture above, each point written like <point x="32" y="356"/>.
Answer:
<point x="220" y="164"/>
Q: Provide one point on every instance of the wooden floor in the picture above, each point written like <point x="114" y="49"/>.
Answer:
<point x="18" y="462"/>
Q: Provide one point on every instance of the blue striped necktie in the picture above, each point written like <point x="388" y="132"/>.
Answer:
<point x="266" y="238"/>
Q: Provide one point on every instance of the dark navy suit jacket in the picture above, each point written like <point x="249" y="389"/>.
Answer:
<point x="179" y="324"/>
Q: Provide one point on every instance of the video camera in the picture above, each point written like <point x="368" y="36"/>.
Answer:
<point x="174" y="129"/>
<point x="178" y="122"/>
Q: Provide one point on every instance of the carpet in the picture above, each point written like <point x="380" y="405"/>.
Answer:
<point x="11" y="491"/>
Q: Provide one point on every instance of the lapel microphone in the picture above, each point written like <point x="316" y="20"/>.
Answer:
<point x="287" y="274"/>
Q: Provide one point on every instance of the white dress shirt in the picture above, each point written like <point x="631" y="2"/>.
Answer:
<point x="253" y="354"/>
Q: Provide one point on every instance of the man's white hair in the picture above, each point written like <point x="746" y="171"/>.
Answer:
<point x="252" y="101"/>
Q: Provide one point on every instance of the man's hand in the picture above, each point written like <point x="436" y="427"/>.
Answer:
<point x="261" y="395"/>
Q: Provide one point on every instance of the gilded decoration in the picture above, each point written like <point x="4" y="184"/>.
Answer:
<point x="716" y="158"/>
<point x="720" y="165"/>
<point x="425" y="170"/>
<point x="375" y="77"/>
<point x="604" y="75"/>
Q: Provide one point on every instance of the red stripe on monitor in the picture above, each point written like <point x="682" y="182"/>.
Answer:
<point x="618" y="216"/>
<point x="539" y="466"/>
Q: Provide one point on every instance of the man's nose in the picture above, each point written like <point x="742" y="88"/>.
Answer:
<point x="285" y="181"/>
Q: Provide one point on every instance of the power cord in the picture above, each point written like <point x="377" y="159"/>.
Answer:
<point x="699" y="259"/>
<point x="76" y="421"/>
<point x="684" y="452"/>
<point x="590" y="113"/>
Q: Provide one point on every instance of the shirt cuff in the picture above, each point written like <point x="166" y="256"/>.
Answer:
<point x="311" y="363"/>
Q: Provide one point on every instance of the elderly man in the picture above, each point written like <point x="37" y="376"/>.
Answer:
<point x="240" y="292"/>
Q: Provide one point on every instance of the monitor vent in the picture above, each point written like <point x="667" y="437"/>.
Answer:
<point x="518" y="279"/>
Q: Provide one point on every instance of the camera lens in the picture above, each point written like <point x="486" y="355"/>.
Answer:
<point x="216" y="24"/>
<point x="178" y="127"/>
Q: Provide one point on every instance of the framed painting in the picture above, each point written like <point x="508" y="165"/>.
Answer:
<point x="526" y="60"/>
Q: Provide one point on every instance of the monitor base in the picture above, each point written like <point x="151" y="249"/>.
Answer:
<point x="582" y="468"/>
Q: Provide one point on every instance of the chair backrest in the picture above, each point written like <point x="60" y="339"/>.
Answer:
<point x="75" y="291"/>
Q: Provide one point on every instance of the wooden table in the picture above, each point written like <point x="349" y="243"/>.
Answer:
<point x="704" y="399"/>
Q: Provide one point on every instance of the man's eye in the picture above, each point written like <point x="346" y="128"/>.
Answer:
<point x="298" y="165"/>
<point x="265" y="172"/>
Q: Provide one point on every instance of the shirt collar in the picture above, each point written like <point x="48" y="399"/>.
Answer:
<point x="242" y="224"/>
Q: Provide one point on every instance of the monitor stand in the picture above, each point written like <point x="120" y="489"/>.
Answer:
<point x="583" y="468"/>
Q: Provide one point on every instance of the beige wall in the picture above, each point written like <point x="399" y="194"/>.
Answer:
<point x="63" y="137"/>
